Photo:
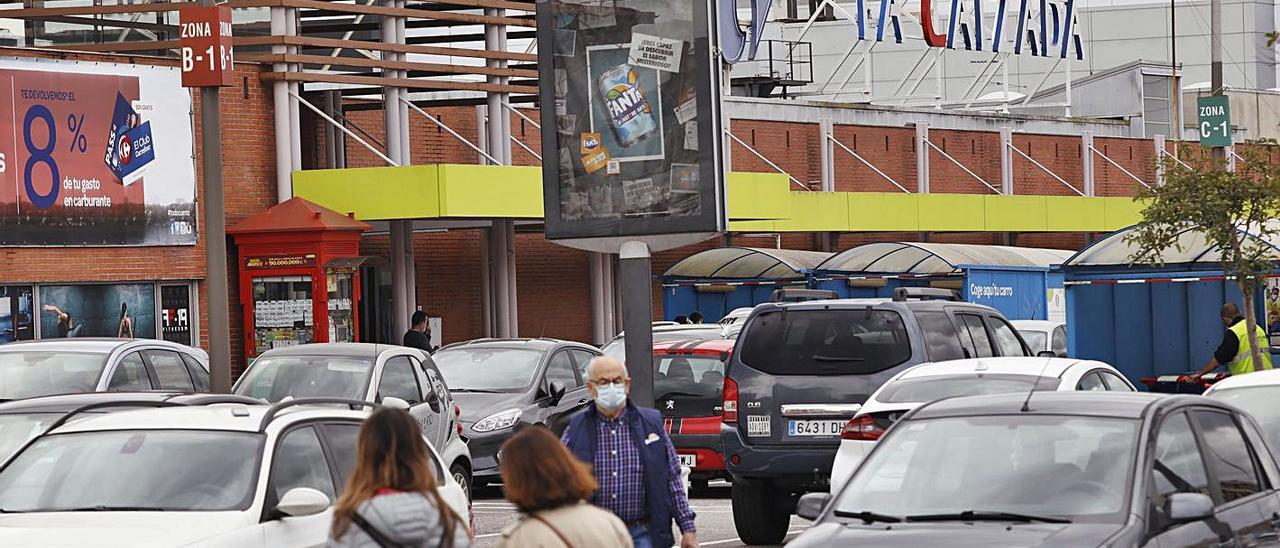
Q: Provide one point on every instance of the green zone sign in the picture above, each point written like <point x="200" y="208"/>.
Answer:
<point x="1215" y="121"/>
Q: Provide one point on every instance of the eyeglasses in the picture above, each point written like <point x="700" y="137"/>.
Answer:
<point x="606" y="382"/>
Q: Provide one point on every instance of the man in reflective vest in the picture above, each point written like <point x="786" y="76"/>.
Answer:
<point x="1236" y="356"/>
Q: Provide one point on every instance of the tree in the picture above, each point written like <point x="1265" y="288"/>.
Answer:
<point x="1234" y="211"/>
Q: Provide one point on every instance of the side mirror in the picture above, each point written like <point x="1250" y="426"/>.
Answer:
<point x="394" y="403"/>
<point x="1047" y="354"/>
<point x="557" y="391"/>
<point x="433" y="400"/>
<point x="1187" y="507"/>
<point x="811" y="505"/>
<point x="302" y="501"/>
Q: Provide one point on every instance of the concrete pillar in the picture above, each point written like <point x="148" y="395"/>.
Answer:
<point x="295" y="140"/>
<point x="595" y="278"/>
<point x="486" y="284"/>
<point x="513" y="305"/>
<point x="280" y="105"/>
<point x="1086" y="155"/>
<point x="1158" y="141"/>
<point x="826" y="152"/>
<point x="1006" y="161"/>
<point x="922" y="157"/>
<point x="1231" y="158"/>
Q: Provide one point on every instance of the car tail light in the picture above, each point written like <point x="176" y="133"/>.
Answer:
<point x="863" y="428"/>
<point x="457" y="414"/>
<point x="730" y="401"/>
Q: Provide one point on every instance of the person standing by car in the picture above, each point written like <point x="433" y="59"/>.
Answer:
<point x="695" y="317"/>
<point x="634" y="461"/>
<point x="419" y="334"/>
<point x="1238" y="358"/>
<point x="550" y="488"/>
<point x="391" y="497"/>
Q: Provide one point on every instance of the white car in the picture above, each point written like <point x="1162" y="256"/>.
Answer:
<point x="934" y="381"/>
<point x="731" y="324"/>
<point x="1256" y="393"/>
<point x="223" y="475"/>
<point x="30" y="369"/>
<point x="1043" y="336"/>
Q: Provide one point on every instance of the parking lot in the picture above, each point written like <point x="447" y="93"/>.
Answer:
<point x="715" y="517"/>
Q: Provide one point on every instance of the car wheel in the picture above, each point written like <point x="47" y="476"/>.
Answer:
<point x="756" y="515"/>
<point x="461" y="476"/>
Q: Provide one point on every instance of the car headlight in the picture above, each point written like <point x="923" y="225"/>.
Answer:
<point x="498" y="421"/>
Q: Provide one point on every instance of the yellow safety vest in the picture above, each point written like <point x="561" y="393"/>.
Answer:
<point x="1243" y="362"/>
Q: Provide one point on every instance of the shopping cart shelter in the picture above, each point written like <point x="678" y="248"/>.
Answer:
<point x="717" y="281"/>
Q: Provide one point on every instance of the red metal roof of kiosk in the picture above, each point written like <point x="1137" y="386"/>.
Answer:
<point x="297" y="215"/>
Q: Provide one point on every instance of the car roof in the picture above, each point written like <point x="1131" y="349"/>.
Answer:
<point x="80" y="344"/>
<point x="233" y="417"/>
<point x="1038" y="325"/>
<point x="677" y="328"/>
<point x="361" y="350"/>
<point x="712" y="347"/>
<point x="928" y="304"/>
<point x="1260" y="378"/>
<point x="1129" y="405"/>
<point x="541" y="343"/>
<point x="64" y="403"/>
<point x="1043" y="367"/>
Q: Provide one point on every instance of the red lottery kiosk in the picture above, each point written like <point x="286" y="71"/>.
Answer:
<point x="299" y="276"/>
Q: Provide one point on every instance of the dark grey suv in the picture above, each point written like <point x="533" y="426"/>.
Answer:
<point x="799" y="372"/>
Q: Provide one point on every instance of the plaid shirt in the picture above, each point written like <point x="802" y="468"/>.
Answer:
<point x="620" y="476"/>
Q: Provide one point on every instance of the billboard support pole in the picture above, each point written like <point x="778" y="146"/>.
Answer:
<point x="635" y="273"/>
<point x="215" y="238"/>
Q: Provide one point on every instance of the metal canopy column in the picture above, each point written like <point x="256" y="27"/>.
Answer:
<point x="400" y="298"/>
<point x="280" y="104"/>
<point x="498" y="133"/>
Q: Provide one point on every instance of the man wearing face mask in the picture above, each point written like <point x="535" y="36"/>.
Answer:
<point x="634" y="461"/>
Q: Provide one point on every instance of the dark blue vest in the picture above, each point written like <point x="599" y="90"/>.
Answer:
<point x="582" y="442"/>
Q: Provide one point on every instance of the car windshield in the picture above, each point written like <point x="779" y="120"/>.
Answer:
<point x="617" y="348"/>
<point x="1068" y="467"/>
<point x="936" y="387"/>
<point x="28" y="374"/>
<point x="1259" y="401"/>
<point x="487" y="369"/>
<point x="687" y="376"/>
<point x="1037" y="340"/>
<point x="133" y="470"/>
<point x="275" y="378"/>
<point x="16" y="429"/>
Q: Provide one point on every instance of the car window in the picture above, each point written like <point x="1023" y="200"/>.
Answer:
<point x="31" y="373"/>
<point x="1006" y="338"/>
<point x="1091" y="382"/>
<point x="341" y="439"/>
<point x="274" y="378"/>
<point x="424" y="382"/>
<point x="826" y="342"/>
<point x="1059" y="343"/>
<point x="940" y="336"/>
<point x="1176" y="467"/>
<point x="299" y="462"/>
<point x="198" y="374"/>
<point x="561" y="369"/>
<point x="582" y="359"/>
<point x="1228" y="455"/>
<point x="171" y="373"/>
<point x="1114" y="382"/>
<point x="130" y="375"/>
<point x="977" y="335"/>
<point x="398" y="381"/>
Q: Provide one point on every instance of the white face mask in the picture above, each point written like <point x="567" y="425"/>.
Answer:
<point x="611" y="396"/>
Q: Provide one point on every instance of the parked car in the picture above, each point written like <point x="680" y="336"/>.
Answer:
<point x="67" y="366"/>
<point x="801" y="370"/>
<point x="688" y="385"/>
<point x="934" y="381"/>
<point x="1058" y="469"/>
<point x="731" y="324"/>
<point x="367" y="372"/>
<point x="1043" y="335"/>
<point x="617" y="348"/>
<point x="1256" y="393"/>
<point x="505" y="384"/>
<point x="239" y="476"/>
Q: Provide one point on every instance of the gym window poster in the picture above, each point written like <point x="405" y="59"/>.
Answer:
<point x="97" y="154"/>
<point x="633" y="97"/>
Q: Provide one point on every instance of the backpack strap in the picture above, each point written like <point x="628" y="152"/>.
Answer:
<point x="379" y="538"/>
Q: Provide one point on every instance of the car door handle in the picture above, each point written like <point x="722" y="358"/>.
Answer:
<point x="1229" y="543"/>
<point x="582" y="401"/>
<point x="1268" y="537"/>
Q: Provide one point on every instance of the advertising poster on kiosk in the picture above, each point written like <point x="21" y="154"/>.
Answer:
<point x="126" y="310"/>
<point x="100" y="154"/>
<point x="16" y="306"/>
<point x="635" y="105"/>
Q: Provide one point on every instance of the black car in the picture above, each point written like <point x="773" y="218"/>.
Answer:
<point x="504" y="384"/>
<point x="1081" y="469"/>
<point x="800" y="371"/>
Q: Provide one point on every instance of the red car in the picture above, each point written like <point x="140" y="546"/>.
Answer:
<point x="688" y="385"/>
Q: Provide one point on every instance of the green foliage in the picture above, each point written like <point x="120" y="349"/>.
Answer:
<point x="1272" y="37"/>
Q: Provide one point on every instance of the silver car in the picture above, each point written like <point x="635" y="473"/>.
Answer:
<point x="77" y="365"/>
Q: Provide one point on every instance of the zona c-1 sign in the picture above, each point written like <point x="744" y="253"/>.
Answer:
<point x="1215" y="121"/>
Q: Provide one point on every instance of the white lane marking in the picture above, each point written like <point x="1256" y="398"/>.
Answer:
<point x="738" y="539"/>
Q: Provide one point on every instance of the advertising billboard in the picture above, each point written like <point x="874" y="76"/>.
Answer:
<point x="15" y="313"/>
<point x="125" y="310"/>
<point x="99" y="154"/>
<point x="634" y="100"/>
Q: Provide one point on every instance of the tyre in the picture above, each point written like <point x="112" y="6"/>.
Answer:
<point x="756" y="513"/>
<point x="701" y="484"/>
<point x="460" y="475"/>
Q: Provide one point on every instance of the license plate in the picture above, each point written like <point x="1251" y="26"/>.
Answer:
<point x="815" y="428"/>
<point x="688" y="460"/>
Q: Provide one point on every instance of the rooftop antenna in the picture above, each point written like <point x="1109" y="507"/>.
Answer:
<point x="1026" y="404"/>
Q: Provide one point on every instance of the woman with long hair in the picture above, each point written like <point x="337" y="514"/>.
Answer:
<point x="550" y="488"/>
<point x="390" y="500"/>
<point x="126" y="323"/>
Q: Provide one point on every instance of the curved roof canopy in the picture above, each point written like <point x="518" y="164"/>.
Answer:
<point x="1192" y="249"/>
<point x="935" y="258"/>
<point x="747" y="262"/>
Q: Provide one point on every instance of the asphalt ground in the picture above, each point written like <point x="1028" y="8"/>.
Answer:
<point x="712" y="506"/>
